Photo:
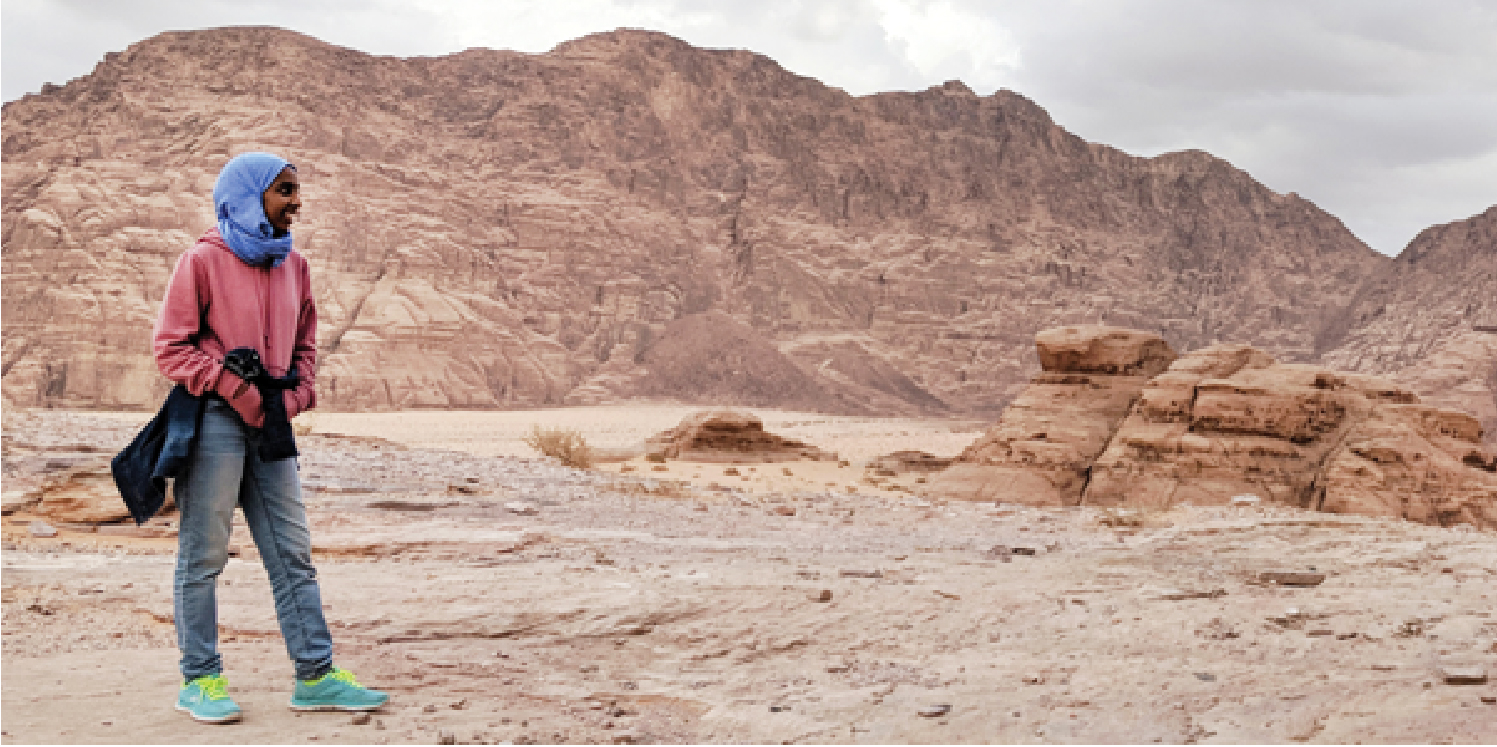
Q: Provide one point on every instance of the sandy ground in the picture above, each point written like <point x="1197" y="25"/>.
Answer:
<point x="625" y="428"/>
<point x="637" y="607"/>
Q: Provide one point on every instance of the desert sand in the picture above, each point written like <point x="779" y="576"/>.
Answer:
<point x="502" y="598"/>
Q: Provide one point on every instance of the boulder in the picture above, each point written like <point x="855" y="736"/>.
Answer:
<point x="728" y="436"/>
<point x="1103" y="350"/>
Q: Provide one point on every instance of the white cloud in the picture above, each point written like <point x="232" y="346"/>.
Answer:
<point x="941" y="39"/>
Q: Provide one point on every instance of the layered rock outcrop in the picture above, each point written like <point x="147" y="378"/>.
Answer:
<point x="1221" y="422"/>
<point x="727" y="436"/>
<point x="492" y="229"/>
<point x="1461" y="374"/>
<point x="1043" y="446"/>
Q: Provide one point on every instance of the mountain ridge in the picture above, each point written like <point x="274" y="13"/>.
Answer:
<point x="496" y="229"/>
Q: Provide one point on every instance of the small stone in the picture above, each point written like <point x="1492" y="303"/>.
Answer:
<point x="1291" y="578"/>
<point x="625" y="737"/>
<point x="459" y="704"/>
<point x="1176" y="595"/>
<point x="1205" y="676"/>
<point x="1489" y="699"/>
<point x="429" y="709"/>
<point x="522" y="508"/>
<point x="824" y="596"/>
<point x="1463" y="674"/>
<point x="851" y="573"/>
<point x="42" y="529"/>
<point x="932" y="711"/>
<point x="946" y="594"/>
<point x="732" y="472"/>
<point x="783" y="510"/>
<point x="778" y="709"/>
<point x="360" y="719"/>
<point x="1023" y="551"/>
<point x="660" y="468"/>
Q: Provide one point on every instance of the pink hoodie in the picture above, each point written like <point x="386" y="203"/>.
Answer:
<point x="215" y="303"/>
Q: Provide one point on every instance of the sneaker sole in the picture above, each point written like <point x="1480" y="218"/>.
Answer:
<point x="208" y="720"/>
<point x="358" y="709"/>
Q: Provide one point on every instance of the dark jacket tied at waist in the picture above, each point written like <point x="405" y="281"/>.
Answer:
<point x="162" y="449"/>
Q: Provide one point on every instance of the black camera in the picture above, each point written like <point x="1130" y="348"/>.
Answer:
<point x="245" y="363"/>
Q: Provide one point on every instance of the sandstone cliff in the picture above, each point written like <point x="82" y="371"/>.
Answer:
<point x="1220" y="422"/>
<point x="493" y="229"/>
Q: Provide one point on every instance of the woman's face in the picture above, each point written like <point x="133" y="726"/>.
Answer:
<point x="283" y="199"/>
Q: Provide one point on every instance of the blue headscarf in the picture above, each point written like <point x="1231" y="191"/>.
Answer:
<point x="237" y="198"/>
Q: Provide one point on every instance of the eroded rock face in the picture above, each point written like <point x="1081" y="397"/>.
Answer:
<point x="1414" y="462"/>
<point x="1442" y="287"/>
<point x="1461" y="374"/>
<point x="1227" y="421"/>
<point x="728" y="436"/>
<point x="494" y="230"/>
<point x="1042" y="447"/>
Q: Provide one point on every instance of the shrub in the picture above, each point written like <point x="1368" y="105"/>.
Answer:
<point x="565" y="444"/>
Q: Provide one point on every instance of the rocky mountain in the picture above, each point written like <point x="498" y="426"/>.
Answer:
<point x="1442" y="286"/>
<point x="630" y="216"/>
<point x="1430" y="319"/>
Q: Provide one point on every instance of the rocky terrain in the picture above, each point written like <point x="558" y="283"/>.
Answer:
<point x="1116" y="419"/>
<point x="627" y="216"/>
<point x="508" y="599"/>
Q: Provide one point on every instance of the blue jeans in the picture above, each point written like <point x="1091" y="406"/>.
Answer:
<point x="226" y="470"/>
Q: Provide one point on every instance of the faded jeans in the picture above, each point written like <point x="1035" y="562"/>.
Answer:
<point x="226" y="471"/>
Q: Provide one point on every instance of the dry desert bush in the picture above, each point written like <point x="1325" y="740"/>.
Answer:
<point x="565" y="444"/>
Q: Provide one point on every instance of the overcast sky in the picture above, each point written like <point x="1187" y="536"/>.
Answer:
<point x="1382" y="112"/>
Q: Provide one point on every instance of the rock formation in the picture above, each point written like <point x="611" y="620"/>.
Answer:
<point x="1461" y="374"/>
<point x="1220" y="422"/>
<point x="492" y="229"/>
<point x="900" y="462"/>
<point x="727" y="436"/>
<point x="1043" y="446"/>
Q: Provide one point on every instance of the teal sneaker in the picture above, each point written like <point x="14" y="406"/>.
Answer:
<point x="335" y="691"/>
<point x="207" y="699"/>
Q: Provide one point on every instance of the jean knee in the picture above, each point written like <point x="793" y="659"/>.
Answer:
<point x="204" y="566"/>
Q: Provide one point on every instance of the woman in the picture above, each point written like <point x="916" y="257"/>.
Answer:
<point x="242" y="288"/>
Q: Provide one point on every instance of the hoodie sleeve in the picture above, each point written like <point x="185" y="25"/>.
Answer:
<point x="304" y="396"/>
<point x="174" y="340"/>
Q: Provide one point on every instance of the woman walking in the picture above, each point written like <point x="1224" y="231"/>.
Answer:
<point x="238" y="328"/>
